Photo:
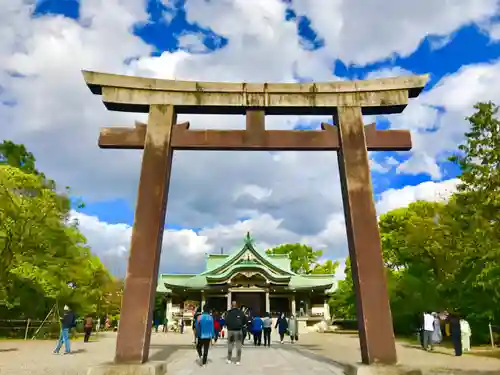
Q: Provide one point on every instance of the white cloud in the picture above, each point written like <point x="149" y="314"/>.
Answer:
<point x="111" y="242"/>
<point x="184" y="250"/>
<point x="364" y="31"/>
<point x="192" y="42"/>
<point x="437" y="117"/>
<point x="288" y="196"/>
<point x="426" y="191"/>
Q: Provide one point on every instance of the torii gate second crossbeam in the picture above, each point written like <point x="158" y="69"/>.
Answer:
<point x="346" y="101"/>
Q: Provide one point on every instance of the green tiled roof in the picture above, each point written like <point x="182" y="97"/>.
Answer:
<point x="183" y="281"/>
<point x="216" y="260"/>
<point x="311" y="281"/>
<point x="220" y="267"/>
<point x="249" y="267"/>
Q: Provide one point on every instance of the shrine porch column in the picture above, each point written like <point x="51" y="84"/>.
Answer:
<point x="268" y="302"/>
<point x="134" y="334"/>
<point x="229" y="296"/>
<point x="376" y="333"/>
<point x="293" y="305"/>
<point x="203" y="300"/>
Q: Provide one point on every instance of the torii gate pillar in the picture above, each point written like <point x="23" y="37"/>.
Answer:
<point x="363" y="238"/>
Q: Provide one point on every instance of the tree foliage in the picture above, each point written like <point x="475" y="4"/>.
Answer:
<point x="42" y="251"/>
<point x="302" y="257"/>
<point x="329" y="267"/>
<point x="446" y="255"/>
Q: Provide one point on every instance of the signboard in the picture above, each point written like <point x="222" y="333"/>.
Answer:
<point x="190" y="307"/>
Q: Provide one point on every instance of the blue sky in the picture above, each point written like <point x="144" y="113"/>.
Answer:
<point x="197" y="39"/>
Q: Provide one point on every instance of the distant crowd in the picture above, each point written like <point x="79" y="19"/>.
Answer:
<point x="237" y="325"/>
<point x="240" y="324"/>
<point x="455" y="327"/>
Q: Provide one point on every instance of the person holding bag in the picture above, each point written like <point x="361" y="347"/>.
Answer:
<point x="293" y="329"/>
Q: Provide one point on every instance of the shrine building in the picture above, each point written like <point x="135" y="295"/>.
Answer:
<point x="258" y="282"/>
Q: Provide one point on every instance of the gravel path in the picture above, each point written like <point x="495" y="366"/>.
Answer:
<point x="36" y="358"/>
<point x="314" y="353"/>
<point x="344" y="348"/>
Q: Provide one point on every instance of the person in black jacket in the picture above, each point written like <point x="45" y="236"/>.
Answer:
<point x="456" y="333"/>
<point x="68" y="321"/>
<point x="235" y="322"/>
<point x="195" y="318"/>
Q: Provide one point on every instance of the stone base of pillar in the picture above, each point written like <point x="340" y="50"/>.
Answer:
<point x="148" y="368"/>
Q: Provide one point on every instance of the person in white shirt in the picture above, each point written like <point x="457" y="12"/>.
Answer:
<point x="466" y="333"/>
<point x="428" y="330"/>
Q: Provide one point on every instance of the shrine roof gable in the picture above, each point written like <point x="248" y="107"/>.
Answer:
<point x="248" y="255"/>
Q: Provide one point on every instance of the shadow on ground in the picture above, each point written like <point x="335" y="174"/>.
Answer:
<point x="166" y="351"/>
<point x="78" y="351"/>
<point x="434" y="351"/>
<point x="9" y="350"/>
<point x="309" y="353"/>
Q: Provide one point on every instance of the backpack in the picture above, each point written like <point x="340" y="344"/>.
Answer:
<point x="235" y="320"/>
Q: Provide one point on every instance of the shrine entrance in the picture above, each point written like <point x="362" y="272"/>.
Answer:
<point x="345" y="101"/>
<point x="254" y="302"/>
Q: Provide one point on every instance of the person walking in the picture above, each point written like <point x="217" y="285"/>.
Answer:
<point x="156" y="322"/>
<point x="257" y="327"/>
<point x="235" y="322"/>
<point x="465" y="334"/>
<point x="293" y="329"/>
<point x="68" y="321"/>
<point x="249" y="325"/>
<point x="204" y="328"/>
<point x="267" y="324"/>
<point x="455" y="333"/>
<point x="420" y="329"/>
<point x="282" y="326"/>
<point x="193" y="326"/>
<point x="437" y="336"/>
<point x="87" y="328"/>
<point x="428" y="331"/>
<point x="165" y="325"/>
<point x="222" y="321"/>
<point x="217" y="326"/>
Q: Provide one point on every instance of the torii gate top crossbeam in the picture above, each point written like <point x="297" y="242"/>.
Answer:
<point x="136" y="94"/>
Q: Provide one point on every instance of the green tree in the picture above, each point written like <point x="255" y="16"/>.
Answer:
<point x="343" y="301"/>
<point x="17" y="156"/>
<point x="27" y="211"/>
<point x="329" y="267"/>
<point x="446" y="255"/>
<point x="41" y="250"/>
<point x="302" y="257"/>
<point x="479" y="157"/>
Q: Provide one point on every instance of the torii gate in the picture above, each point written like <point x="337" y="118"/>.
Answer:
<point x="346" y="101"/>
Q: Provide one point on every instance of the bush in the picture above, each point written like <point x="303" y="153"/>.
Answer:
<point x="346" y="324"/>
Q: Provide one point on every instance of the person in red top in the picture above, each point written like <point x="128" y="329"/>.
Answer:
<point x="217" y="326"/>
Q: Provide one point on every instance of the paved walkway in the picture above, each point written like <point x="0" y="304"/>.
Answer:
<point x="35" y="358"/>
<point x="275" y="360"/>
<point x="315" y="353"/>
